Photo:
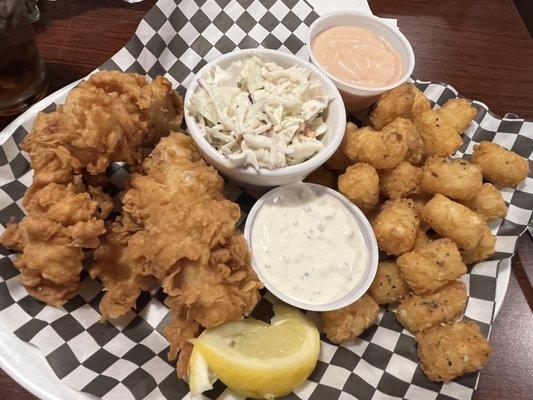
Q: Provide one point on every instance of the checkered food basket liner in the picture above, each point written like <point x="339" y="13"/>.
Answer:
<point x="126" y="359"/>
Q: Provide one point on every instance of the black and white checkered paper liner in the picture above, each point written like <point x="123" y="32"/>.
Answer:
<point x="126" y="359"/>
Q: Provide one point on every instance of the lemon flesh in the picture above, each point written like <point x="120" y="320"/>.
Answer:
<point x="256" y="359"/>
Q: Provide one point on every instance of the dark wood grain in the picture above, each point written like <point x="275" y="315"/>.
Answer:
<point x="480" y="47"/>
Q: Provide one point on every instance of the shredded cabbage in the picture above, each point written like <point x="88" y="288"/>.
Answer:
<point x="261" y="114"/>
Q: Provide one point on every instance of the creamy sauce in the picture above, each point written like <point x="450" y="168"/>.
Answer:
<point x="308" y="245"/>
<point x="358" y="56"/>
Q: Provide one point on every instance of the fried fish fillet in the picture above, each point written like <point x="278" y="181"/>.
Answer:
<point x="110" y="117"/>
<point x="178" y="229"/>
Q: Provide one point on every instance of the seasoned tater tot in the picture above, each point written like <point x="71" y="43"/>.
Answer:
<point x="405" y="101"/>
<point x="349" y="322"/>
<point x="417" y="313"/>
<point x="401" y="181"/>
<point x="438" y="138"/>
<point x="500" y="166"/>
<point x="360" y="184"/>
<point x="323" y="176"/>
<point x="431" y="266"/>
<point x="453" y="220"/>
<point x="421" y="239"/>
<point x="388" y="285"/>
<point x="453" y="177"/>
<point x="396" y="226"/>
<point x="458" y="113"/>
<point x="483" y="250"/>
<point x="382" y="149"/>
<point x="448" y="351"/>
<point x="488" y="203"/>
<point x="338" y="161"/>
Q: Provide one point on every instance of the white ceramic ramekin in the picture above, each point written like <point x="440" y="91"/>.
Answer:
<point x="368" y="237"/>
<point x="355" y="97"/>
<point x="264" y="177"/>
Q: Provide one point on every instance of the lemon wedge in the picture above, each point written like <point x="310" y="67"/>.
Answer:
<point x="256" y="359"/>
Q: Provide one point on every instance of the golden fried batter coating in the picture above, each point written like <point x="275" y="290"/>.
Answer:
<point x="457" y="113"/>
<point x="405" y="101"/>
<point x="349" y="322"/>
<point x="323" y="176"/>
<point x="382" y="149"/>
<point x="178" y="229"/>
<point x="360" y="184"/>
<point x="421" y="239"/>
<point x="488" y="203"/>
<point x="439" y="138"/>
<point x="388" y="285"/>
<point x="418" y="313"/>
<point x="401" y="181"/>
<point x="448" y="351"/>
<point x="453" y="177"/>
<point x="338" y="161"/>
<point x="483" y="250"/>
<point x="453" y="220"/>
<point x="500" y="166"/>
<point x="396" y="226"/>
<point x="431" y="266"/>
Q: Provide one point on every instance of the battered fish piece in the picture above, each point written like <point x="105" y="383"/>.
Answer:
<point x="421" y="239"/>
<point x="396" y="226"/>
<point x="488" y="203"/>
<point x="418" y="313"/>
<point x="323" y="176"/>
<point x="388" y="285"/>
<point x="453" y="177"/>
<point x="438" y="138"/>
<point x="338" y="161"/>
<point x="360" y="184"/>
<point x="483" y="250"/>
<point x="458" y="113"/>
<point x="347" y="323"/>
<point x="401" y="181"/>
<point x="405" y="101"/>
<point x="453" y="220"/>
<point x="500" y="166"/>
<point x="178" y="229"/>
<point x="448" y="351"/>
<point x="432" y="266"/>
<point x="382" y="149"/>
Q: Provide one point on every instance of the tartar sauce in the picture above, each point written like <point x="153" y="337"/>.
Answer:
<point x="357" y="55"/>
<point x="308" y="245"/>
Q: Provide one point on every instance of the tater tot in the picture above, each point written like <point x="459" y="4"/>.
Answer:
<point x="448" y="351"/>
<point x="349" y="322"/>
<point x="488" y="203"/>
<point x="453" y="177"/>
<point x="483" y="250"/>
<point x="323" y="176"/>
<point x="438" y="138"/>
<point x="431" y="266"/>
<point x="382" y="149"/>
<point x="500" y="166"/>
<point x="338" y="161"/>
<point x="388" y="285"/>
<point x="360" y="184"/>
<point x="418" y="313"/>
<point x="453" y="220"/>
<point x="457" y="113"/>
<point x="405" y="101"/>
<point x="400" y="181"/>
<point x="396" y="226"/>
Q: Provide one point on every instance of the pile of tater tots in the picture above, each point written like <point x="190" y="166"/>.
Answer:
<point x="429" y="213"/>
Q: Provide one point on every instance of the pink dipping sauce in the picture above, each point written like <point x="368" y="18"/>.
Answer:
<point x="358" y="56"/>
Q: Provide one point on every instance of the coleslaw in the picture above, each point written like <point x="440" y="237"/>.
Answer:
<point x="260" y="114"/>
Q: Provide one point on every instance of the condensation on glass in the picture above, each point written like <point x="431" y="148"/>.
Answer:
<point x="22" y="74"/>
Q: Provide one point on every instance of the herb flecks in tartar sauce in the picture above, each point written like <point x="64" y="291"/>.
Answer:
<point x="308" y="245"/>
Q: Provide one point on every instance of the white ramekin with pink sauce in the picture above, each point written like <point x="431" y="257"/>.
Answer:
<point x="357" y="96"/>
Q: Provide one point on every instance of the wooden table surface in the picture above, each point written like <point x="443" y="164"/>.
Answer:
<point x="481" y="47"/>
